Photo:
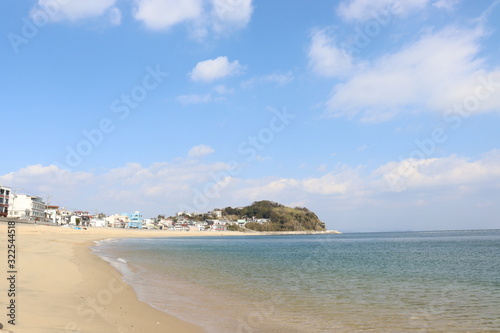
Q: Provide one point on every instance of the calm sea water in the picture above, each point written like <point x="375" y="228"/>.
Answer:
<point x="446" y="281"/>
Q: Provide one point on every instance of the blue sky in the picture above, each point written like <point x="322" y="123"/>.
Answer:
<point x="377" y="115"/>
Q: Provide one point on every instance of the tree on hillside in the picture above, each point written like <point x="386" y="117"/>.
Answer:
<point x="231" y="211"/>
<point x="282" y="218"/>
<point x="260" y="209"/>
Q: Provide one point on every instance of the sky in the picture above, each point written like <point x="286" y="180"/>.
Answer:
<point x="376" y="115"/>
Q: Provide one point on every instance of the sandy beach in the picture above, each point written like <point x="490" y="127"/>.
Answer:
<point x="62" y="287"/>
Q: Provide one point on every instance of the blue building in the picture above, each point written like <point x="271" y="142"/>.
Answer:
<point x="134" y="220"/>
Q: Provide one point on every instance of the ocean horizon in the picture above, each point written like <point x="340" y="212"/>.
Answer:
<point x="425" y="281"/>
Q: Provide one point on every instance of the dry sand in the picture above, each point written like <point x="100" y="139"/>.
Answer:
<point x="63" y="287"/>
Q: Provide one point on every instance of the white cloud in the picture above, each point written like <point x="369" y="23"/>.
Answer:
<point x="198" y="99"/>
<point x="322" y="168"/>
<point x="326" y="185"/>
<point x="453" y="173"/>
<point x="214" y="69"/>
<point x="43" y="181"/>
<point x="203" y="16"/>
<point x="338" y="183"/>
<point x="445" y="4"/>
<point x="115" y="16"/>
<point x="279" y="78"/>
<point x="230" y="14"/>
<point x="131" y="187"/>
<point x="33" y="176"/>
<point x="433" y="73"/>
<point x="363" y="10"/>
<point x="223" y="90"/>
<point x="347" y="197"/>
<point x="433" y="179"/>
<point x="276" y="77"/>
<point x="325" y="58"/>
<point x="76" y="10"/>
<point x="163" y="14"/>
<point x="200" y="151"/>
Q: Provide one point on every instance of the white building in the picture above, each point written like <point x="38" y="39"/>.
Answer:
<point x="53" y="215"/>
<point x="216" y="213"/>
<point x="149" y="223"/>
<point x="64" y="215"/>
<point x="165" y="223"/>
<point x="117" y="221"/>
<point x="27" y="207"/>
<point x="4" y="200"/>
<point x="218" y="227"/>
<point x="98" y="222"/>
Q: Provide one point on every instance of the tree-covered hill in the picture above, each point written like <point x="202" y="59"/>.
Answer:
<point x="281" y="218"/>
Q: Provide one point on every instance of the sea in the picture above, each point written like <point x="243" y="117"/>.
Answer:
<point x="435" y="281"/>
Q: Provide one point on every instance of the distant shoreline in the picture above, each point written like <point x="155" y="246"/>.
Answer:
<point x="326" y="232"/>
<point x="247" y="231"/>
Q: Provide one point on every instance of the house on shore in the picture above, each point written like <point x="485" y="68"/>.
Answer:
<point x="216" y="213"/>
<point x="134" y="220"/>
<point x="117" y="220"/>
<point x="28" y="207"/>
<point x="4" y="200"/>
<point x="52" y="213"/>
<point x="149" y="223"/>
<point x="98" y="222"/>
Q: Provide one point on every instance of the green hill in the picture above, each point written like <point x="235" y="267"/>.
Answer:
<point x="282" y="218"/>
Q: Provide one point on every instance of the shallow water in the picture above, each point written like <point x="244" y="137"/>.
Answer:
<point x="378" y="282"/>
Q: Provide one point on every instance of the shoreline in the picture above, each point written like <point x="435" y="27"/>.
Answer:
<point x="63" y="287"/>
<point x="275" y="233"/>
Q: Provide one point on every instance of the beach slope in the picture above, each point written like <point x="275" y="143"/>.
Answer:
<point x="62" y="287"/>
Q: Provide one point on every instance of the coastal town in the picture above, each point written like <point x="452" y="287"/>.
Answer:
<point x="34" y="209"/>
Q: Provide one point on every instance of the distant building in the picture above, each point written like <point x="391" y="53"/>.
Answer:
<point x="165" y="223"/>
<point x="75" y="220"/>
<point x="149" y="223"/>
<point x="64" y="215"/>
<point x="52" y="213"/>
<point x="218" y="227"/>
<point x="184" y="214"/>
<point x="83" y="216"/>
<point x="196" y="227"/>
<point x="216" y="213"/>
<point x="218" y="222"/>
<point x="117" y="221"/>
<point x="27" y="207"/>
<point x="180" y="227"/>
<point x="4" y="200"/>
<point x="98" y="222"/>
<point x="134" y="220"/>
<point x="182" y="219"/>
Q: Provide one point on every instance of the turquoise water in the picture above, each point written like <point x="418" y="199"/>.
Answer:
<point x="446" y="281"/>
